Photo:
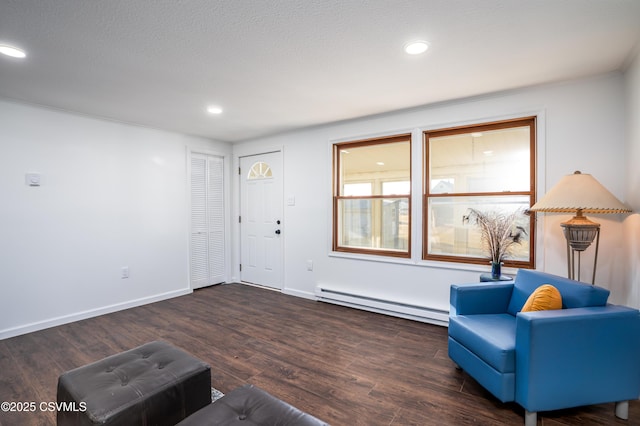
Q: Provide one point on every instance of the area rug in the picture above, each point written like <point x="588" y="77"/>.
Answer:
<point x="216" y="394"/>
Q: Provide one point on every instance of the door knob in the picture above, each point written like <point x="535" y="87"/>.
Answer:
<point x="278" y="231"/>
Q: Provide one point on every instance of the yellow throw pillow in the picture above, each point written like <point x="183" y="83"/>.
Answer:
<point x="545" y="297"/>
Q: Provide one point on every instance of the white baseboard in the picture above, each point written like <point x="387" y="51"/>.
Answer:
<point x="65" y="319"/>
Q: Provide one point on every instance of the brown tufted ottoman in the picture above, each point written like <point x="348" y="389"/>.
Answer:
<point x="249" y="405"/>
<point x="154" y="384"/>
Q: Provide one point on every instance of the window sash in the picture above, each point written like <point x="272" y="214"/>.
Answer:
<point x="452" y="239"/>
<point x="375" y="225"/>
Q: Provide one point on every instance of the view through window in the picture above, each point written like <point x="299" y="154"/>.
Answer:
<point x="372" y="196"/>
<point x="489" y="168"/>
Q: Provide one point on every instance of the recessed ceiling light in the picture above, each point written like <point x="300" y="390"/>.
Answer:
<point x="380" y="163"/>
<point x="12" y="51"/>
<point x="214" y="109"/>
<point x="416" y="47"/>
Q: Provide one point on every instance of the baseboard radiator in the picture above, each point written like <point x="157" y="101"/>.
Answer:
<point x="403" y="310"/>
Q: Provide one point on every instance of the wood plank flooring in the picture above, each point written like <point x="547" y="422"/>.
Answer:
<point x="345" y="366"/>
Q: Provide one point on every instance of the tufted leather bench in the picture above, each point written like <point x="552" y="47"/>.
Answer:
<point x="154" y="384"/>
<point x="249" y="405"/>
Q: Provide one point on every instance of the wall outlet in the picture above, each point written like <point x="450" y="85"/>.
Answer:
<point x="309" y="265"/>
<point x="124" y="272"/>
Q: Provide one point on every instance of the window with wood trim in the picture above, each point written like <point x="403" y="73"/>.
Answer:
<point x="372" y="196"/>
<point x="487" y="167"/>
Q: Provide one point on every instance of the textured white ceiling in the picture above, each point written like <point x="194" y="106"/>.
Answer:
<point x="277" y="65"/>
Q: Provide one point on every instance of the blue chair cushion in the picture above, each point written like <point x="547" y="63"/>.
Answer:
<point x="574" y="294"/>
<point x="492" y="337"/>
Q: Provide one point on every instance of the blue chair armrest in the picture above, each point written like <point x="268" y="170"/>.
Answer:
<point x="572" y="357"/>
<point x="480" y="298"/>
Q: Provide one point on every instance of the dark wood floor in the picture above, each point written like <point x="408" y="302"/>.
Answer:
<point x="345" y="366"/>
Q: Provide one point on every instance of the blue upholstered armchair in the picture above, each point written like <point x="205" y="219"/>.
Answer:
<point x="586" y="353"/>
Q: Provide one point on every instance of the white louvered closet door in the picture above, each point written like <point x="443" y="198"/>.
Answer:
<point x="207" y="220"/>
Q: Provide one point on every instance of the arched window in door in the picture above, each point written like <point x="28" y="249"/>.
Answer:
<point x="260" y="170"/>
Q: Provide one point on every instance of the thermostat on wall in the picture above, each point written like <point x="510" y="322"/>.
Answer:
<point x="33" y="179"/>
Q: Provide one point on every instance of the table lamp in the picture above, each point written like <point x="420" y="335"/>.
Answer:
<point x="579" y="193"/>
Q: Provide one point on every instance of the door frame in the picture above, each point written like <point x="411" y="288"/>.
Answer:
<point x="226" y="188"/>
<point x="237" y="208"/>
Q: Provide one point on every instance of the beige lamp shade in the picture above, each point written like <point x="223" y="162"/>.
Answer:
<point x="580" y="193"/>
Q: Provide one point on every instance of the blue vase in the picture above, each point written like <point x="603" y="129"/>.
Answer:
<point x="496" y="270"/>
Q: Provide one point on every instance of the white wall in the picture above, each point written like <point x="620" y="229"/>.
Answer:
<point x="116" y="195"/>
<point x="582" y="128"/>
<point x="112" y="195"/>
<point x="630" y="286"/>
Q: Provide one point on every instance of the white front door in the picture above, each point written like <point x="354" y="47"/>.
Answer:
<point x="261" y="224"/>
